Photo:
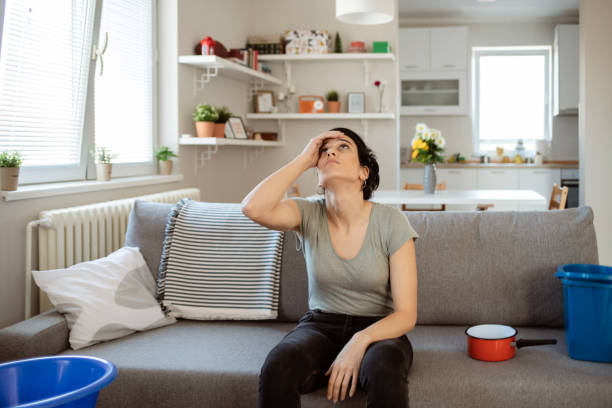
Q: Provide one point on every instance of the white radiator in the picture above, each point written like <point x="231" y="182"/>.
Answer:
<point x="67" y="236"/>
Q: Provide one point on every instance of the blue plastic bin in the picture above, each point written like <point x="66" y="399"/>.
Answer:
<point x="587" y="297"/>
<point x="588" y="273"/>
<point x="54" y="381"/>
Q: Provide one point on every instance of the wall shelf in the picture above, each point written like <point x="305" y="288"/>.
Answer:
<point x="212" y="146"/>
<point x="320" y="116"/>
<point x="328" y="57"/>
<point x="220" y="141"/>
<point x="214" y="65"/>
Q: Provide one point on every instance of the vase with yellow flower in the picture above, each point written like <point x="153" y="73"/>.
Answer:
<point x="427" y="145"/>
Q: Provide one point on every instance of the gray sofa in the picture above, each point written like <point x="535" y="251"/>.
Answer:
<point x="473" y="268"/>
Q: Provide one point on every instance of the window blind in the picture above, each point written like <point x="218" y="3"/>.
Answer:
<point x="123" y="93"/>
<point x="44" y="65"/>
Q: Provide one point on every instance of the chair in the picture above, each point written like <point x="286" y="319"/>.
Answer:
<point x="408" y="186"/>
<point x="562" y="193"/>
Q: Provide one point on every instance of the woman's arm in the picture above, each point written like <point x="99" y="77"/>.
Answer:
<point x="403" y="271"/>
<point x="264" y="205"/>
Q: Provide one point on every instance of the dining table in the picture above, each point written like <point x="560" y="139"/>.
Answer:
<point x="462" y="197"/>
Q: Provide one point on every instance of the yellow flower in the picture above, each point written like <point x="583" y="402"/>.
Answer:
<point x="419" y="144"/>
<point x="415" y="153"/>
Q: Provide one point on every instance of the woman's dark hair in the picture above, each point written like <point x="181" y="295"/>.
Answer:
<point x="366" y="158"/>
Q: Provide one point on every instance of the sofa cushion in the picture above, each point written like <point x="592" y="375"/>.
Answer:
<point x="189" y="363"/>
<point x="498" y="267"/>
<point x="145" y="230"/>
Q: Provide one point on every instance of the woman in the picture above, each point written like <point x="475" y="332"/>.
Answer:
<point x="362" y="279"/>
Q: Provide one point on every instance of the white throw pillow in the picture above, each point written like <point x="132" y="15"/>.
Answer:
<point x="106" y="298"/>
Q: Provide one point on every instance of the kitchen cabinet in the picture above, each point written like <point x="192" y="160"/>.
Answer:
<point x="540" y="180"/>
<point x="448" y="48"/>
<point x="565" y="69"/>
<point x="414" y="49"/>
<point x="434" y="93"/>
<point x="433" y="49"/>
<point x="459" y="179"/>
<point x="499" y="179"/>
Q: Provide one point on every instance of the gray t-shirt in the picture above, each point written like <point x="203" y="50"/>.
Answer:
<point x="359" y="286"/>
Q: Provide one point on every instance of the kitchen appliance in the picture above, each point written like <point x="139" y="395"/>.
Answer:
<point x="497" y="342"/>
<point x="569" y="179"/>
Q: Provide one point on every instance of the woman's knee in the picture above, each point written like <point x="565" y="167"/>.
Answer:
<point x="281" y="363"/>
<point x="388" y="357"/>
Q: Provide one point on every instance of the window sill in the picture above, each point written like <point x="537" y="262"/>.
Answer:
<point x="73" y="187"/>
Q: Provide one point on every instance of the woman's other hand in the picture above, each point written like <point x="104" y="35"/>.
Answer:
<point x="346" y="366"/>
<point x="310" y="154"/>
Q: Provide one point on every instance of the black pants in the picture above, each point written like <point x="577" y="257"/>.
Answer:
<point x="298" y="363"/>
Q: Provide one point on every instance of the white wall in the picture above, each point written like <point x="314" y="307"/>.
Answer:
<point x="595" y="118"/>
<point x="232" y="172"/>
<point x="457" y="130"/>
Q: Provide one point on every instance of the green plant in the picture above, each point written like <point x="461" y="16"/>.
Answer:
<point x="337" y="44"/>
<point x="10" y="158"/>
<point x="205" y="113"/>
<point x="332" y="96"/>
<point x="102" y="154"/>
<point x="224" y="114"/>
<point x="164" y="153"/>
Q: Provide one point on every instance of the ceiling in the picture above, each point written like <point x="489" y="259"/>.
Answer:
<point x="499" y="10"/>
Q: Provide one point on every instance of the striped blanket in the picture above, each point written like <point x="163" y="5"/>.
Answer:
<point x="217" y="264"/>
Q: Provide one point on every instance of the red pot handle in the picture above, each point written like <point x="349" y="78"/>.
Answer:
<point x="525" y="343"/>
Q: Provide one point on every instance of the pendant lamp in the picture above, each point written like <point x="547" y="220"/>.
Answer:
<point x="367" y="12"/>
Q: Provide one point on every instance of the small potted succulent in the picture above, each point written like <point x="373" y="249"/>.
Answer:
<point x="333" y="104"/>
<point x="10" y="162"/>
<point x="163" y="155"/>
<point x="224" y="115"/>
<point x="103" y="158"/>
<point x="205" y="116"/>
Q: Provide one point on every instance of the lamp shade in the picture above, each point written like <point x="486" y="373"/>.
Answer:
<point x="367" y="12"/>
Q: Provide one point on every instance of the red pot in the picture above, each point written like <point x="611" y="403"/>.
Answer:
<point x="496" y="342"/>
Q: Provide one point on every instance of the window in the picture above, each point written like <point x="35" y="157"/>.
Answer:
<point x="511" y="97"/>
<point x="48" y="78"/>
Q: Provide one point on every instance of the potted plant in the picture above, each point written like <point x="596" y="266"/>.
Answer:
<point x="224" y="115"/>
<point x="427" y="145"/>
<point x="333" y="104"/>
<point x="165" y="165"/>
<point x="205" y="116"/>
<point x="104" y="167"/>
<point x="10" y="162"/>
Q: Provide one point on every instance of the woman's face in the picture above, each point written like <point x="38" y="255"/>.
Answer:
<point x="339" y="158"/>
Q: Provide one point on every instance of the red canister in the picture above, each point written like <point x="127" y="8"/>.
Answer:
<point x="208" y="46"/>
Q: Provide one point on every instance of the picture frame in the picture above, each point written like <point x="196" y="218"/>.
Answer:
<point x="237" y="128"/>
<point x="355" y="102"/>
<point x="264" y="101"/>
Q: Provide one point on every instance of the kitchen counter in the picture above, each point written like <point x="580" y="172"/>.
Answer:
<point x="497" y="165"/>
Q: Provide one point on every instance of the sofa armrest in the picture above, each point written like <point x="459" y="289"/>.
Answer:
<point x="41" y="335"/>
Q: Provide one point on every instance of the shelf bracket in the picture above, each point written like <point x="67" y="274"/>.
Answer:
<point x="209" y="72"/>
<point x="203" y="157"/>
<point x="281" y="131"/>
<point x="257" y="85"/>
<point x="249" y="154"/>
<point x="366" y="73"/>
<point x="287" y="73"/>
<point x="364" y="125"/>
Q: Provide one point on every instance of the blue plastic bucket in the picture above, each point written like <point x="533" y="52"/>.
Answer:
<point x="588" y="272"/>
<point x="54" y="381"/>
<point x="588" y="319"/>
